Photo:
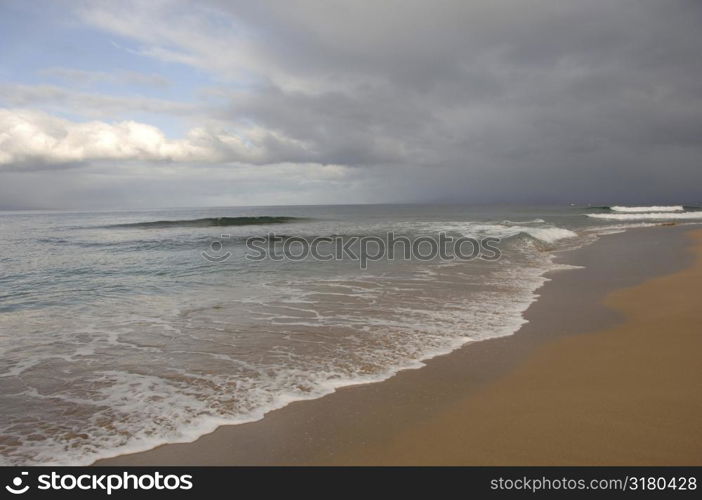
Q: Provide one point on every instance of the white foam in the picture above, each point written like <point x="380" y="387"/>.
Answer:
<point x="668" y="208"/>
<point x="549" y="234"/>
<point x="507" y="229"/>
<point x="536" y="228"/>
<point x="649" y="216"/>
<point x="546" y="234"/>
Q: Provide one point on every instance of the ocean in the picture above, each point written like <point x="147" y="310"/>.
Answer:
<point x="123" y="330"/>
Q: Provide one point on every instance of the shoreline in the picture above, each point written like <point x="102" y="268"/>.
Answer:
<point x="389" y="416"/>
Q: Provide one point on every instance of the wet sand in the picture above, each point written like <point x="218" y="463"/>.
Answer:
<point x="606" y="372"/>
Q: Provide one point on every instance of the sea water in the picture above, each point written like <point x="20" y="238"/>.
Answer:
<point x="117" y="334"/>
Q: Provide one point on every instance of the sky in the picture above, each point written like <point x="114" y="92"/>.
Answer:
<point x="163" y="103"/>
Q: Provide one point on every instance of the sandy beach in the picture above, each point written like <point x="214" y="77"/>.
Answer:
<point x="606" y="372"/>
<point x="350" y="234"/>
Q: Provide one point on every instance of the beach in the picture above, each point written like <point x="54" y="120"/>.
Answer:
<point x="372" y="233"/>
<point x="605" y="372"/>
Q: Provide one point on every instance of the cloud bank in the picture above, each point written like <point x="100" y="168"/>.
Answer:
<point x="32" y="138"/>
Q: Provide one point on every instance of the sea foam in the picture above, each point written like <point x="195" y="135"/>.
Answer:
<point x="669" y="208"/>
<point x="649" y="216"/>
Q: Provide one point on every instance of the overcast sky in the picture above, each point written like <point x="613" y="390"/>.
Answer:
<point x="173" y="103"/>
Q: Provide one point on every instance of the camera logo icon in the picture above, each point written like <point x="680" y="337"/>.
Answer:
<point x="217" y="253"/>
<point x="16" y="488"/>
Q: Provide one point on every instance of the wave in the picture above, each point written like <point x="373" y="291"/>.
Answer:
<point x="649" y="216"/>
<point x="210" y="221"/>
<point x="545" y="234"/>
<point x="508" y="222"/>
<point x="534" y="228"/>
<point x="668" y="208"/>
<point x="549" y="234"/>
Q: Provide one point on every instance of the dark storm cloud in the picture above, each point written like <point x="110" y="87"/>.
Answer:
<point x="541" y="99"/>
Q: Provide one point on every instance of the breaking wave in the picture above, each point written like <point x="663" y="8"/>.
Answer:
<point x="669" y="208"/>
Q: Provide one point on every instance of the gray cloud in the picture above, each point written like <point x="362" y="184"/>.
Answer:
<point x="60" y="99"/>
<point x="85" y="78"/>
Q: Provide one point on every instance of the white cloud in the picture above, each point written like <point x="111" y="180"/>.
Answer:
<point x="31" y="137"/>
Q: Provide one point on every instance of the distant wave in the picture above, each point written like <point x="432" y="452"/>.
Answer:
<point x="210" y="221"/>
<point x="668" y="208"/>
<point x="649" y="216"/>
